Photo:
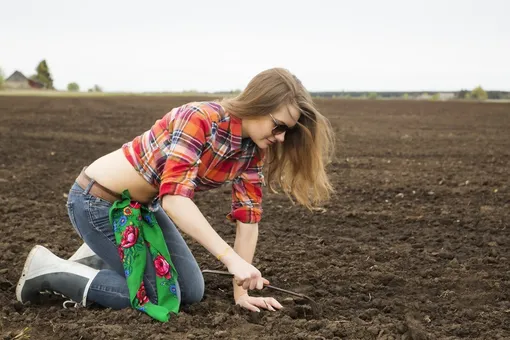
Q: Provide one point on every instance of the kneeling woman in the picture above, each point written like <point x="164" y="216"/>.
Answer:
<point x="128" y="206"/>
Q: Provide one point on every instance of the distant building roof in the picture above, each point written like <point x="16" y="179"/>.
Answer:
<point x="18" y="77"/>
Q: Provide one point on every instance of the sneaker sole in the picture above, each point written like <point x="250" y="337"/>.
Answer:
<point x="22" y="280"/>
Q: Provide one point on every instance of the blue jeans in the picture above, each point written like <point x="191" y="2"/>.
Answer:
<point x="90" y="217"/>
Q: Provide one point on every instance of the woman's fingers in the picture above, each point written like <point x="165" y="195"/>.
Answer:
<point x="255" y="303"/>
<point x="249" y="306"/>
<point x="266" y="303"/>
<point x="274" y="303"/>
<point x="245" y="301"/>
<point x="251" y="283"/>
<point x="246" y="284"/>
<point x="255" y="278"/>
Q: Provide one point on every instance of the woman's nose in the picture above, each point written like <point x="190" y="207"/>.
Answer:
<point x="280" y="137"/>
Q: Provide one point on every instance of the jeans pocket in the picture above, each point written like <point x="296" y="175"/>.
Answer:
<point x="99" y="216"/>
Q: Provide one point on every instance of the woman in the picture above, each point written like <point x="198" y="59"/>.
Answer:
<point x="148" y="184"/>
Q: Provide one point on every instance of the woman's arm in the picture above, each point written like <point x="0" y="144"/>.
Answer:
<point x="187" y="217"/>
<point x="245" y="244"/>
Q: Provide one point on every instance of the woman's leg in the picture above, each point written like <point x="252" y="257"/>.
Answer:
<point x="93" y="226"/>
<point x="189" y="275"/>
<point x="90" y="217"/>
<point x="110" y="289"/>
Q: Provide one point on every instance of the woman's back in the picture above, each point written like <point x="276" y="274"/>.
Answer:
<point x="114" y="172"/>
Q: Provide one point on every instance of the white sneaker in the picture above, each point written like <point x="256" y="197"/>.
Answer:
<point x="44" y="271"/>
<point x="86" y="256"/>
<point x="83" y="252"/>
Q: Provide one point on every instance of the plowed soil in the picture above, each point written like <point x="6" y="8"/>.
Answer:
<point x="414" y="245"/>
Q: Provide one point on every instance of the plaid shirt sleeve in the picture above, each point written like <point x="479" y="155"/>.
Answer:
<point x="189" y="130"/>
<point x="247" y="193"/>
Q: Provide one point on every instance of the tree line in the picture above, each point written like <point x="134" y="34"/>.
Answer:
<point x="43" y="76"/>
<point x="478" y="93"/>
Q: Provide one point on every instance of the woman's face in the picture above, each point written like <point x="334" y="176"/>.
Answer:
<point x="267" y="130"/>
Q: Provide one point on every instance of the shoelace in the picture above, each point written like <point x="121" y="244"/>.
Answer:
<point x="76" y="304"/>
<point x="64" y="304"/>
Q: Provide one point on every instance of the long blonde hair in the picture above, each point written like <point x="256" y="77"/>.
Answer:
<point x="298" y="165"/>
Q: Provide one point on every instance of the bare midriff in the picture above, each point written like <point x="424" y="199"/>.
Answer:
<point x="114" y="172"/>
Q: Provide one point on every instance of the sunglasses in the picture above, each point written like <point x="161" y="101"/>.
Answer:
<point x="279" y="128"/>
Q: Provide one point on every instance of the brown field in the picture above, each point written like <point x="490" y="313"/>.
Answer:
<point x="414" y="245"/>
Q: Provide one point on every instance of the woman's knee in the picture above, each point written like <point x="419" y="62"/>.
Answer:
<point x="193" y="291"/>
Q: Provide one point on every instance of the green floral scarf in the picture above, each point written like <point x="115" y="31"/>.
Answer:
<point x="136" y="230"/>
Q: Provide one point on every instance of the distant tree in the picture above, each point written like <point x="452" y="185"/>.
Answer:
<point x="43" y="75"/>
<point x="479" y="93"/>
<point x="2" y="78"/>
<point x="96" y="88"/>
<point x="372" y="95"/>
<point x="73" y="87"/>
<point x="406" y="96"/>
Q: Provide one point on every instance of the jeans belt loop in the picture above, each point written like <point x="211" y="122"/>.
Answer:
<point x="89" y="186"/>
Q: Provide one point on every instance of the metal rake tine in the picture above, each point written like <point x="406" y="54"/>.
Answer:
<point x="289" y="292"/>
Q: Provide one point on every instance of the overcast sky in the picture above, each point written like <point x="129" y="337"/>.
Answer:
<point x="134" y="45"/>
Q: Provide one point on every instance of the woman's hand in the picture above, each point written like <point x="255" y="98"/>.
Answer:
<point x="254" y="303"/>
<point x="245" y="274"/>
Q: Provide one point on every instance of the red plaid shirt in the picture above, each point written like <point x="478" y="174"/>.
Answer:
<point x="196" y="147"/>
